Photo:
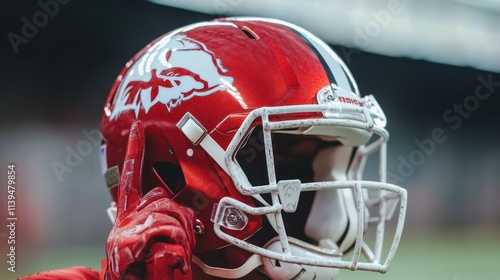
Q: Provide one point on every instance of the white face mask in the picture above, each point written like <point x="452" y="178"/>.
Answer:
<point x="339" y="214"/>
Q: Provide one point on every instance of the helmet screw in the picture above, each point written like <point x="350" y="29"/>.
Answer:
<point x="199" y="228"/>
<point x="232" y="219"/>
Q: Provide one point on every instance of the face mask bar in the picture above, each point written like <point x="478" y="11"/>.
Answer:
<point x="285" y="193"/>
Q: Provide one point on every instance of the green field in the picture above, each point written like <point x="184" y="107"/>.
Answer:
<point x="451" y="255"/>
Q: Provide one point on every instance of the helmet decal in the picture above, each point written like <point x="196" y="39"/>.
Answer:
<point x="188" y="69"/>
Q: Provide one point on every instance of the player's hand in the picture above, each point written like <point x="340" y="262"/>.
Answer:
<point x="152" y="236"/>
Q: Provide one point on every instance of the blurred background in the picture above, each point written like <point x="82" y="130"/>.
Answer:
<point x="434" y="66"/>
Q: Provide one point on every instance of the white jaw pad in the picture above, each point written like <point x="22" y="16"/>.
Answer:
<point x="333" y="214"/>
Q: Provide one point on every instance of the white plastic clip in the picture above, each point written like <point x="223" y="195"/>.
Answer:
<point x="289" y="194"/>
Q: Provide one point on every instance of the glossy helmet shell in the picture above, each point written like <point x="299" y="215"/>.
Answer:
<point x="218" y="72"/>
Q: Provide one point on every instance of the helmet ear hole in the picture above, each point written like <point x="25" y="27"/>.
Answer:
<point x="171" y="174"/>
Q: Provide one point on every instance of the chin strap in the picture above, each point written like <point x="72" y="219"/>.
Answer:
<point x="198" y="135"/>
<point x="252" y="263"/>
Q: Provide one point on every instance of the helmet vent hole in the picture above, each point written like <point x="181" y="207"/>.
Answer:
<point x="249" y="33"/>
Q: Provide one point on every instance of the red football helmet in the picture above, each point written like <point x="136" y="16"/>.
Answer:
<point x="259" y="127"/>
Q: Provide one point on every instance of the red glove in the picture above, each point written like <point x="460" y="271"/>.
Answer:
<point x="152" y="236"/>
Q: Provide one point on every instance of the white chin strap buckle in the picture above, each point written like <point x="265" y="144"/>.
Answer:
<point x="198" y="135"/>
